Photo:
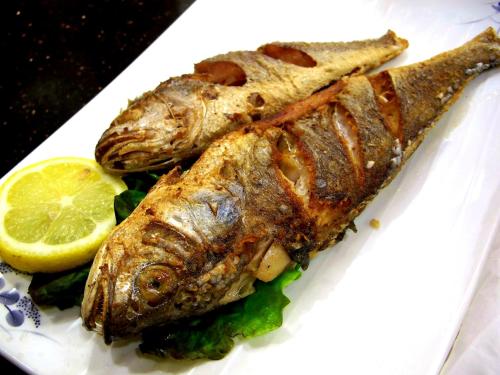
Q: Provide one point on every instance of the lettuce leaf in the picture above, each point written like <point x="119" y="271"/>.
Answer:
<point x="126" y="202"/>
<point x="62" y="289"/>
<point x="138" y="185"/>
<point x="141" y="181"/>
<point x="212" y="335"/>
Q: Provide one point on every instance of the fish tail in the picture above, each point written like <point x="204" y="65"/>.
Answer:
<point x="437" y="83"/>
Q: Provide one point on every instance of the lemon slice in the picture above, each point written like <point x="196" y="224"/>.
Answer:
<point x="54" y="214"/>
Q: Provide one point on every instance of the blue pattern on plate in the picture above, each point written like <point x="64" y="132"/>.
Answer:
<point x="495" y="5"/>
<point x="18" y="307"/>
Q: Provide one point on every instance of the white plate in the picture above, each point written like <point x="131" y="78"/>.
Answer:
<point x="385" y="301"/>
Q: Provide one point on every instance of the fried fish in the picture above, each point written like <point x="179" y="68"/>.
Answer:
<point x="183" y="115"/>
<point x="271" y="193"/>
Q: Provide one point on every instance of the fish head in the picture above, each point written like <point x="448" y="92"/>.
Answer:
<point x="128" y="287"/>
<point x="134" y="278"/>
<point x="150" y="271"/>
<point x="155" y="131"/>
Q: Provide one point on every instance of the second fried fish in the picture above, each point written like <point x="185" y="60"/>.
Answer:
<point x="182" y="116"/>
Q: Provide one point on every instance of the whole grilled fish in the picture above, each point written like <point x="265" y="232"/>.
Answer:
<point x="271" y="193"/>
<point x="183" y="115"/>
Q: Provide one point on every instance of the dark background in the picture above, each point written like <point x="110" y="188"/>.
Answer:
<point x="57" y="55"/>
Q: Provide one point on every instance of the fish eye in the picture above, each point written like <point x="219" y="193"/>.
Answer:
<point x="156" y="283"/>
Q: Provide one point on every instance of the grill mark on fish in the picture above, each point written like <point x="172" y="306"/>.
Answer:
<point x="290" y="161"/>
<point x="388" y="103"/>
<point x="288" y="54"/>
<point x="346" y="130"/>
<point x="292" y="198"/>
<point x="262" y="203"/>
<point x="227" y="73"/>
<point x="319" y="137"/>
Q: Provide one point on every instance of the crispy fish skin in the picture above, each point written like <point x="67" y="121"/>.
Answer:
<point x="282" y="188"/>
<point x="183" y="115"/>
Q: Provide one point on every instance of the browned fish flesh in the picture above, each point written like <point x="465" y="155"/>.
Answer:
<point x="271" y="193"/>
<point x="182" y="116"/>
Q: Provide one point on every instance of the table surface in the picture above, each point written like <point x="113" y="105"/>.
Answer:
<point x="61" y="54"/>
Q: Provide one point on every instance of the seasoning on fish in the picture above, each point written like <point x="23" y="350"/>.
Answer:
<point x="271" y="193"/>
<point x="183" y="115"/>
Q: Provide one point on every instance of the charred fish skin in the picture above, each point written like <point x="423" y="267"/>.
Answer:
<point x="183" y="115"/>
<point x="272" y="192"/>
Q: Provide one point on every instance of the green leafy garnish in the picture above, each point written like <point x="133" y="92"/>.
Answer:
<point x="126" y="202"/>
<point x="138" y="185"/>
<point x="212" y="335"/>
<point x="142" y="181"/>
<point x="62" y="289"/>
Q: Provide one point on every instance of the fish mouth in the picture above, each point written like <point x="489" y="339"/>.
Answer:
<point x="134" y="150"/>
<point x="96" y="305"/>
